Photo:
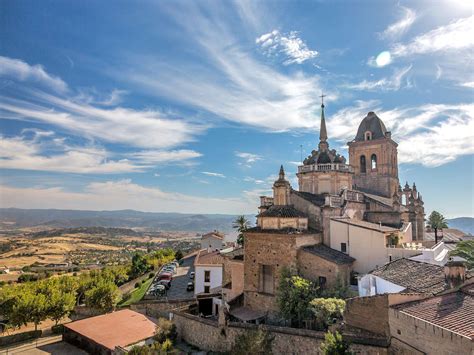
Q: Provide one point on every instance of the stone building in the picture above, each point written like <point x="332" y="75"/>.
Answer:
<point x="294" y="227"/>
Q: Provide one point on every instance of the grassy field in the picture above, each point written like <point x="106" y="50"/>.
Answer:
<point x="138" y="293"/>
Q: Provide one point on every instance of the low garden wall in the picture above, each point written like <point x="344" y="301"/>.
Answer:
<point x="160" y="308"/>
<point x="207" y="335"/>
<point x="19" y="337"/>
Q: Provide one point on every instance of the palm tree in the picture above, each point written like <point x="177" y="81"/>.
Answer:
<point x="241" y="224"/>
<point x="437" y="221"/>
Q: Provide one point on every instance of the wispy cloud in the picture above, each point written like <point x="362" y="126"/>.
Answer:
<point x="401" y="26"/>
<point x="248" y="159"/>
<point x="468" y="84"/>
<point x="21" y="71"/>
<point x="290" y="45"/>
<point x="175" y="157"/>
<point x="392" y="83"/>
<point x="209" y="173"/>
<point x="24" y="154"/>
<point x="457" y="35"/>
<point x="91" y="96"/>
<point x="121" y="194"/>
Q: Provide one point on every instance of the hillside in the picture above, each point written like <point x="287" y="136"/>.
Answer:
<point x="466" y="224"/>
<point x="18" y="218"/>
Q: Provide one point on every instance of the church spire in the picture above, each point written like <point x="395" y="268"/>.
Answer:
<point x="323" y="134"/>
<point x="282" y="173"/>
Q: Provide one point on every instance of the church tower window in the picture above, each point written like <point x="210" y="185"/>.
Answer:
<point x="362" y="164"/>
<point x="373" y="161"/>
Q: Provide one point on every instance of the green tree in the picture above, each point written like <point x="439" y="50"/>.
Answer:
<point x="165" y="330"/>
<point x="326" y="309"/>
<point x="465" y="249"/>
<point x="293" y="297"/>
<point x="339" y="290"/>
<point x="139" y="265"/>
<point x="437" y="221"/>
<point x="256" y="341"/>
<point x="38" y="308"/>
<point x="104" y="296"/>
<point x="178" y="255"/>
<point x="241" y="224"/>
<point x="60" y="304"/>
<point x="334" y="344"/>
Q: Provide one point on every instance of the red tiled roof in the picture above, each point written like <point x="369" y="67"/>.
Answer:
<point x="453" y="311"/>
<point x="209" y="258"/>
<point x="217" y="235"/>
<point x="121" y="328"/>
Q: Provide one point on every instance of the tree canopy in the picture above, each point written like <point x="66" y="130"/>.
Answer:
<point x="465" y="249"/>
<point x="241" y="224"/>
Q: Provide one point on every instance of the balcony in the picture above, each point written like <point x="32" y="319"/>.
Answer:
<point x="325" y="167"/>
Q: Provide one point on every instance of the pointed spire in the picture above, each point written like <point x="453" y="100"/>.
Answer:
<point x="282" y="173"/>
<point x="323" y="134"/>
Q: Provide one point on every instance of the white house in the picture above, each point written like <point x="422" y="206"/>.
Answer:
<point x="212" y="241"/>
<point x="208" y="268"/>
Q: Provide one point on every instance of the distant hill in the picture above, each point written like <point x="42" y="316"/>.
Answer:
<point x="466" y="224"/>
<point x="18" y="218"/>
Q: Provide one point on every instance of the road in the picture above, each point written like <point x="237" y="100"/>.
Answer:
<point x="43" y="346"/>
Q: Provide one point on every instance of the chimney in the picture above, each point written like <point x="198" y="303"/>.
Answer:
<point x="454" y="273"/>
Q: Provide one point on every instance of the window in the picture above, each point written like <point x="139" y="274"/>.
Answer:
<point x="207" y="276"/>
<point x="322" y="281"/>
<point x="373" y="161"/>
<point x="368" y="136"/>
<point x="344" y="247"/>
<point x="266" y="279"/>
<point x="207" y="289"/>
<point x="362" y="164"/>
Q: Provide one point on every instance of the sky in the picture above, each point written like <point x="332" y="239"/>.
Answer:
<point x="192" y="106"/>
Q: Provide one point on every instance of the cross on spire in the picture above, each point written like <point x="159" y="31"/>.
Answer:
<point x="322" y="96"/>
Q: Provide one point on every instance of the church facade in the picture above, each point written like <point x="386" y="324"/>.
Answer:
<point x="294" y="226"/>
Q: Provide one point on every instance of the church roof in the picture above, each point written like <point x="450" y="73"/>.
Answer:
<point x="415" y="276"/>
<point x="315" y="199"/>
<point x="287" y="211"/>
<point x="329" y="254"/>
<point x="373" y="124"/>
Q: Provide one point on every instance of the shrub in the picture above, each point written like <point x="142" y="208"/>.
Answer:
<point x="151" y="275"/>
<point x="253" y="342"/>
<point x="165" y="330"/>
<point x="57" y="329"/>
<point x="138" y="284"/>
<point x="326" y="309"/>
<point x="334" y="344"/>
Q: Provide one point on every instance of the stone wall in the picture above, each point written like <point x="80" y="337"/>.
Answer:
<point x="311" y="266"/>
<point x="206" y="335"/>
<point x="312" y="211"/>
<point x="368" y="313"/>
<point x="410" y="333"/>
<point x="389" y="218"/>
<point x="158" y="309"/>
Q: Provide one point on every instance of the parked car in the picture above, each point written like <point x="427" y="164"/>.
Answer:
<point x="165" y="276"/>
<point x="190" y="286"/>
<point x="165" y="283"/>
<point x="191" y="275"/>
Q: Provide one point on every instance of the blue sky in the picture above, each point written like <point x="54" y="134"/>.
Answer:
<point x="192" y="106"/>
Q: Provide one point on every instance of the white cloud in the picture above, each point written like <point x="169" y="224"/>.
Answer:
<point x="429" y="134"/>
<point x="19" y="153"/>
<point x="248" y="159"/>
<point x="392" y="83"/>
<point x="290" y="45"/>
<point x="469" y="84"/>
<point x="91" y="96"/>
<point x="402" y="25"/>
<point x="145" y="128"/>
<point x="176" y="157"/>
<point x="122" y="194"/>
<point x="21" y="71"/>
<point x="209" y="173"/>
<point x="458" y="35"/>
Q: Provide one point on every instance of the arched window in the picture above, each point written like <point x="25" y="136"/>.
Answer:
<point x="373" y="161"/>
<point x="362" y="164"/>
<point x="368" y="136"/>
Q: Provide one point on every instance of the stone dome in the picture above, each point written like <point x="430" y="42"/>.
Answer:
<point x="371" y="123"/>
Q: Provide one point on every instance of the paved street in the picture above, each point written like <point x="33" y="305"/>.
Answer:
<point x="43" y="346"/>
<point x="180" y="281"/>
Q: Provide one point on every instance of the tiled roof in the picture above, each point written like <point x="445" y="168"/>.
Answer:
<point x="329" y="254"/>
<point x="365" y="224"/>
<point x="209" y="258"/>
<point x="121" y="328"/>
<point x="448" y="235"/>
<point x="215" y="234"/>
<point x="282" y="211"/>
<point x="452" y="311"/>
<point x="416" y="276"/>
<point x="315" y="199"/>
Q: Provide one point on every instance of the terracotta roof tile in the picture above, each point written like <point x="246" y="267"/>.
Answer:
<point x="209" y="258"/>
<point x="121" y="328"/>
<point x="327" y="253"/>
<point x="282" y="212"/>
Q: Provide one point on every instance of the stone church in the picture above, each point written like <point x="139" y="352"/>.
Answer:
<point x="293" y="227"/>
